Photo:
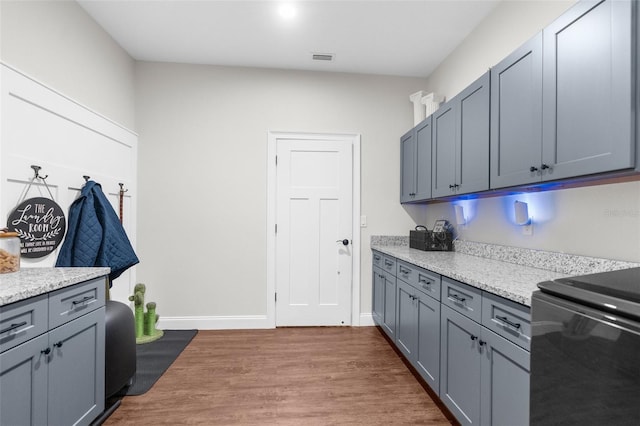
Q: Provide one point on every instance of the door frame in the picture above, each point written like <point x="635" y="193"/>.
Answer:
<point x="272" y="140"/>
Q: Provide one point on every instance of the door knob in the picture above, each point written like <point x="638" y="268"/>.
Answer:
<point x="344" y="242"/>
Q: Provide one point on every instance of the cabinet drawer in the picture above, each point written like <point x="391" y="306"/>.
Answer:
<point x="462" y="298"/>
<point x="508" y="319"/>
<point x="425" y="281"/>
<point x="22" y="321"/>
<point x="428" y="283"/>
<point x="389" y="264"/>
<point x="378" y="259"/>
<point x="71" y="302"/>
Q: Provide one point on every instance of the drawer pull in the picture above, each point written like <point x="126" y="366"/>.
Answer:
<point x="46" y="351"/>
<point x="506" y="321"/>
<point x="404" y="271"/>
<point x="376" y="257"/>
<point x="13" y="327"/>
<point x="425" y="283"/>
<point x="457" y="298"/>
<point x="84" y="300"/>
<point x="473" y="337"/>
<point x="388" y="262"/>
<point x="58" y="345"/>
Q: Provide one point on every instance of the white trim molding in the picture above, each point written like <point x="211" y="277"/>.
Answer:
<point x="246" y="322"/>
<point x="271" y="217"/>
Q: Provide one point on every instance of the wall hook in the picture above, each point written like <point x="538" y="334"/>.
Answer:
<point x="86" y="178"/>
<point x="122" y="191"/>
<point x="36" y="172"/>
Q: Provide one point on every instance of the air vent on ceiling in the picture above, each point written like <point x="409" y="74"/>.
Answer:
<point x="322" y="56"/>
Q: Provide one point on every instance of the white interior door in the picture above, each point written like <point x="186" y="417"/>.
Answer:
<point x="314" y="214"/>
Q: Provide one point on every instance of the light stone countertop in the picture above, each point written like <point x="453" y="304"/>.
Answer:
<point x="30" y="282"/>
<point x="511" y="281"/>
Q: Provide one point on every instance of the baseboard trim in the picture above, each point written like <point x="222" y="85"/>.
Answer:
<point x="214" y="322"/>
<point x="247" y="322"/>
<point x="366" y="320"/>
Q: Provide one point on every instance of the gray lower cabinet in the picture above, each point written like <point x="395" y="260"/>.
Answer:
<point x="484" y="377"/>
<point x="460" y="366"/>
<point x="56" y="377"/>
<point x="470" y="346"/>
<point x="418" y="331"/>
<point x="389" y="309"/>
<point x="384" y="293"/>
<point x="377" y="304"/>
<point x="504" y="394"/>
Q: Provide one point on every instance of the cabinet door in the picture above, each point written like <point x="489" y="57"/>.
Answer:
<point x="443" y="151"/>
<point x="505" y="382"/>
<point x="423" y="160"/>
<point x="406" y="320"/>
<point x="378" y="296"/>
<point x="588" y="90"/>
<point x="427" y="356"/>
<point x="460" y="364"/>
<point x="472" y="140"/>
<point x="76" y="370"/>
<point x="408" y="167"/>
<point x="389" y="311"/>
<point x="23" y="384"/>
<point x="516" y="116"/>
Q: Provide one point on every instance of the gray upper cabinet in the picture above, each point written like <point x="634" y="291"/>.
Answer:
<point x="408" y="167"/>
<point x="472" y="142"/>
<point x="415" y="169"/>
<point x="563" y="104"/>
<point x="443" y="150"/>
<point x="588" y="90"/>
<point x="516" y="116"/>
<point x="460" y="145"/>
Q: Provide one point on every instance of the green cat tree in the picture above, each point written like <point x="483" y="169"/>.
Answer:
<point x="146" y="330"/>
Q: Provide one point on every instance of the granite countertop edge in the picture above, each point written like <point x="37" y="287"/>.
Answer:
<point x="31" y="282"/>
<point x="511" y="281"/>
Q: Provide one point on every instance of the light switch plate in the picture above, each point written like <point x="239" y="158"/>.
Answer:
<point x="363" y="221"/>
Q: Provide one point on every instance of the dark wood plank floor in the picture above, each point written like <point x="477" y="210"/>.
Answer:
<point x="285" y="376"/>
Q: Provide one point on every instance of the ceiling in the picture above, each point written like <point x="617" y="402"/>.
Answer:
<point x="392" y="37"/>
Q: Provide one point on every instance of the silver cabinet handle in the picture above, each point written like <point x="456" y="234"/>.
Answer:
<point x="457" y="298"/>
<point x="506" y="321"/>
<point x="13" y="327"/>
<point x="83" y="300"/>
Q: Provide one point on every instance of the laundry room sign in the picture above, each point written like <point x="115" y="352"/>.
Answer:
<point x="40" y="224"/>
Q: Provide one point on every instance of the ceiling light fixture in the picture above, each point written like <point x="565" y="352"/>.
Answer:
<point x="287" y="11"/>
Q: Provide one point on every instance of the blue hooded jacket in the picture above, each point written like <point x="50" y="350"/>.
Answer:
<point x="95" y="236"/>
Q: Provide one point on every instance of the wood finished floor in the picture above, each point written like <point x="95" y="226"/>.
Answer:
<point x="285" y="376"/>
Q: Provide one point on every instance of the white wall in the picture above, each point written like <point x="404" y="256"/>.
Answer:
<point x="203" y="168"/>
<point x="60" y="45"/>
<point x="601" y="221"/>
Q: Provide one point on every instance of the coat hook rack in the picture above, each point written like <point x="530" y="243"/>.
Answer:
<point x="86" y="178"/>
<point x="36" y="172"/>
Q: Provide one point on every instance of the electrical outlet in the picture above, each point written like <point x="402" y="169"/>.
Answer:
<point x="527" y="229"/>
